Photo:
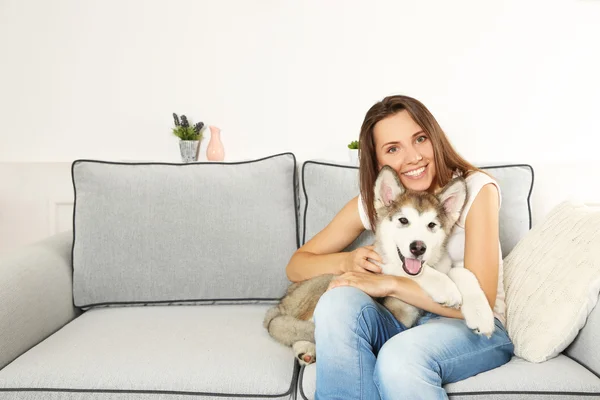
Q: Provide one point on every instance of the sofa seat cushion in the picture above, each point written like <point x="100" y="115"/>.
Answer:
<point x="558" y="378"/>
<point x="148" y="352"/>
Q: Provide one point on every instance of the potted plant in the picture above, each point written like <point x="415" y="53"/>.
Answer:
<point x="189" y="137"/>
<point x="353" y="152"/>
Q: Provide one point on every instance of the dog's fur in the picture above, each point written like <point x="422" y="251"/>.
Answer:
<point x="412" y="229"/>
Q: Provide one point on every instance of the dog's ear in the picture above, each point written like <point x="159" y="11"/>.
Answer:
<point x="453" y="197"/>
<point x="387" y="187"/>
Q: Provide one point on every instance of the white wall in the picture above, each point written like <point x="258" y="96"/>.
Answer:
<point x="509" y="81"/>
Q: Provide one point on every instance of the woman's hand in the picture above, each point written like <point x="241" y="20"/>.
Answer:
<point x="375" y="285"/>
<point x="361" y="260"/>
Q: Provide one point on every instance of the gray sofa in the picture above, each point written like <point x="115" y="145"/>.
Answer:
<point x="160" y="289"/>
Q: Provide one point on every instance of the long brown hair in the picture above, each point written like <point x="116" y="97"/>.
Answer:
<point x="447" y="160"/>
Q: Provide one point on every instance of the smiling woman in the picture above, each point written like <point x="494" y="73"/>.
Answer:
<point x="362" y="351"/>
<point x="402" y="133"/>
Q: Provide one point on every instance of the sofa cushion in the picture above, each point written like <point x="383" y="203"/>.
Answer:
<point x="552" y="281"/>
<point x="585" y="349"/>
<point x="558" y="378"/>
<point x="327" y="187"/>
<point x="162" y="233"/>
<point x="516" y="184"/>
<point x="149" y="352"/>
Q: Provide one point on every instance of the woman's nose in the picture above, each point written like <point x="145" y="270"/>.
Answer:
<point x="412" y="155"/>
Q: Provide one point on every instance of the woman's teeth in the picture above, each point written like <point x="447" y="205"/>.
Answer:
<point x="415" y="172"/>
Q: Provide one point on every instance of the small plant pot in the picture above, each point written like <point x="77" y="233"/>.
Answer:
<point x="353" y="156"/>
<point x="188" y="150"/>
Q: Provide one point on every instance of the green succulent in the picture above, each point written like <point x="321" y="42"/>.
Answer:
<point x="184" y="131"/>
<point x="353" y="145"/>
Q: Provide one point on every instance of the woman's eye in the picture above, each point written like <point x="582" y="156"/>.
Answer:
<point x="421" y="139"/>
<point x="392" y="149"/>
<point x="432" y="225"/>
<point x="403" y="221"/>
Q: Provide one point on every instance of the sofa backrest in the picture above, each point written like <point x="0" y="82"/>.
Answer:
<point x="326" y="187"/>
<point x="177" y="233"/>
<point x="161" y="233"/>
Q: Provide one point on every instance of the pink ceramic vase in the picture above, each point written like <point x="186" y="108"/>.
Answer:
<point x="214" y="150"/>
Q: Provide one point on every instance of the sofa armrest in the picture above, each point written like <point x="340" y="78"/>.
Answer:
<point x="585" y="349"/>
<point x="36" y="294"/>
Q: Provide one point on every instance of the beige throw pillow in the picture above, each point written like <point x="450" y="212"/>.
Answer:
<point x="552" y="280"/>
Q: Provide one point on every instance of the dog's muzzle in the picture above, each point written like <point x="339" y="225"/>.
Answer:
<point x="411" y="266"/>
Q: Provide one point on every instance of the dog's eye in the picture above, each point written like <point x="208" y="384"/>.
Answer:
<point x="403" y="221"/>
<point x="432" y="225"/>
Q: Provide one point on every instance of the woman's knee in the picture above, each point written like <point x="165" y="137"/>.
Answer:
<point x="341" y="304"/>
<point x="400" y="358"/>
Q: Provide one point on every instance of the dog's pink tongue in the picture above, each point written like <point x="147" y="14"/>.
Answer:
<point x="413" y="266"/>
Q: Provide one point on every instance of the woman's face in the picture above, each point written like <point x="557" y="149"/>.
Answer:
<point x="404" y="146"/>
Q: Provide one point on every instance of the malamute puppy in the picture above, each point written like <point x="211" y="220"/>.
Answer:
<point x="411" y="235"/>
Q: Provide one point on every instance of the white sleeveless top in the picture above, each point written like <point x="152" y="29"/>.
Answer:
<point x="456" y="242"/>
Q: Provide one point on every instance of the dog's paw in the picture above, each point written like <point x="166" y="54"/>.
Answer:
<point x="479" y="317"/>
<point x="305" y="352"/>
<point x="448" y="297"/>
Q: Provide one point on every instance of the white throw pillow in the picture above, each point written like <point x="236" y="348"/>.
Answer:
<point x="552" y="280"/>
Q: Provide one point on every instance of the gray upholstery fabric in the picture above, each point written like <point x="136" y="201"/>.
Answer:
<point x="87" y="395"/>
<point x="558" y="375"/>
<point x="525" y="396"/>
<point x="327" y="187"/>
<point x="558" y="378"/>
<point x="211" y="350"/>
<point x="585" y="349"/>
<point x="516" y="184"/>
<point x="156" y="232"/>
<point x="35" y="294"/>
<point x="307" y="382"/>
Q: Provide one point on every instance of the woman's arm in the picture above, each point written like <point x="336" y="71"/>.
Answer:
<point x="323" y="253"/>
<point x="410" y="292"/>
<point x="405" y="289"/>
<point x="482" y="235"/>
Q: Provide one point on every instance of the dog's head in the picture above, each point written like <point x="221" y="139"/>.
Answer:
<point x="414" y="226"/>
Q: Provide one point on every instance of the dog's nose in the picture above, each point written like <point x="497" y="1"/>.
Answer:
<point x="417" y="248"/>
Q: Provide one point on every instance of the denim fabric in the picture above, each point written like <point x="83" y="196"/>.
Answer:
<point x="363" y="352"/>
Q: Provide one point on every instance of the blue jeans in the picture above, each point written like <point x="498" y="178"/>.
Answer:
<point x="363" y="352"/>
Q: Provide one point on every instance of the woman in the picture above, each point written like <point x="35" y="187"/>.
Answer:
<point x="363" y="352"/>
